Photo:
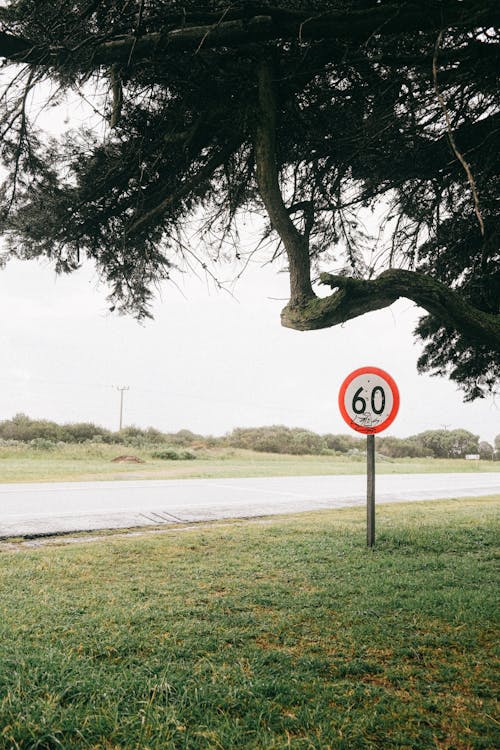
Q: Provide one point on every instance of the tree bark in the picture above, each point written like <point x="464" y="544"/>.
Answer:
<point x="356" y="297"/>
<point x="296" y="246"/>
<point x="265" y="23"/>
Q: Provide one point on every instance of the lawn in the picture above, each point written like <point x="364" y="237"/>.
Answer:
<point x="94" y="462"/>
<point x="274" y="634"/>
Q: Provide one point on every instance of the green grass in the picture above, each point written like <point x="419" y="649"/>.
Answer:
<point x="287" y="633"/>
<point x="93" y="462"/>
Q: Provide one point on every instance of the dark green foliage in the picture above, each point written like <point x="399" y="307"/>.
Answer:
<point x="171" y="454"/>
<point x="447" y="353"/>
<point x="378" y="105"/>
<point x="24" y="429"/>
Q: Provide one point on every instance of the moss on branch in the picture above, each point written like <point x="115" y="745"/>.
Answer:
<point x="354" y="297"/>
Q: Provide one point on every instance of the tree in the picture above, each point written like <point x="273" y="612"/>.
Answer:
<point x="486" y="450"/>
<point x="496" y="451"/>
<point x="437" y="442"/>
<point x="463" y="442"/>
<point x="315" y="112"/>
<point x="449" y="443"/>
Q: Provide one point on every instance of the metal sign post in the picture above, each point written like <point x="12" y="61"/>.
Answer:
<point x="369" y="402"/>
<point x="370" y="490"/>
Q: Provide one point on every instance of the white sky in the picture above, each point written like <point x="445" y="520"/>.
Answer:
<point x="208" y="362"/>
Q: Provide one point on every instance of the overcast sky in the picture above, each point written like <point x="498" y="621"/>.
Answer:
<point x="208" y="362"/>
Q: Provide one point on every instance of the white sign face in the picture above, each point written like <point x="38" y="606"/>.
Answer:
<point x="369" y="400"/>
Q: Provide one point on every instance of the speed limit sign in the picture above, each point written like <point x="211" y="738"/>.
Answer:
<point x="369" y="400"/>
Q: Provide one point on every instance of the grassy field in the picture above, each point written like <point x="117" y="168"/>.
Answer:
<point x="284" y="633"/>
<point x="94" y="462"/>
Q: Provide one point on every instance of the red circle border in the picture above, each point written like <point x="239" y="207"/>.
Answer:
<point x="395" y="395"/>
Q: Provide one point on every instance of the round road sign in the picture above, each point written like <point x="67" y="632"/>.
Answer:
<point x="369" y="400"/>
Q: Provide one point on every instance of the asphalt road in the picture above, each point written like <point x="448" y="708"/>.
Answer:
<point x="31" y="509"/>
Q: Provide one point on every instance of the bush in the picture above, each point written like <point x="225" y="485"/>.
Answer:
<point x="486" y="451"/>
<point x="171" y="454"/>
<point x="24" y="429"/>
<point x="154" y="436"/>
<point x="21" y="427"/>
<point x="305" y="442"/>
<point x="42" y="434"/>
<point x="278" y="439"/>
<point x="188" y="456"/>
<point x="403" y="447"/>
<point x="343" y="443"/>
<point x="184" y="437"/>
<point x="82" y="432"/>
<point x="42" y="444"/>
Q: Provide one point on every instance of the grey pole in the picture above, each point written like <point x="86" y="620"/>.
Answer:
<point x="370" y="490"/>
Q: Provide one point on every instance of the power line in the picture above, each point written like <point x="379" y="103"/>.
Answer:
<point x="242" y="402"/>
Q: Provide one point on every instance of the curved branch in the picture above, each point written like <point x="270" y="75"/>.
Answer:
<point x="296" y="246"/>
<point x="356" y="297"/>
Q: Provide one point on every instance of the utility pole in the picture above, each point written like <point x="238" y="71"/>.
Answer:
<point x="121" y="389"/>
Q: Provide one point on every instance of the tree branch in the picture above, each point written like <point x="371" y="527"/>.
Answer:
<point x="204" y="173"/>
<point x="423" y="158"/>
<point x="356" y="297"/>
<point x="451" y="137"/>
<point x="266" y="24"/>
<point x="295" y="244"/>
